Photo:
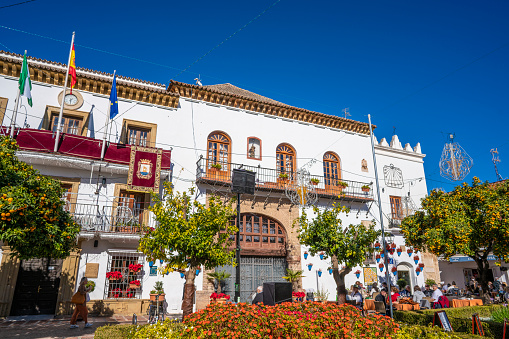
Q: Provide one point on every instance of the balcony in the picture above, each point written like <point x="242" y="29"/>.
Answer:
<point x="39" y="140"/>
<point x="270" y="180"/>
<point x="120" y="216"/>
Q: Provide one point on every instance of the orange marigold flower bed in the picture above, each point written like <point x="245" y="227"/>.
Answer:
<point x="288" y="320"/>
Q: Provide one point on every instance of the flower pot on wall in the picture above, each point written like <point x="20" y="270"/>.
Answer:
<point x="133" y="286"/>
<point x="310" y="266"/>
<point x="154" y="296"/>
<point x="306" y="255"/>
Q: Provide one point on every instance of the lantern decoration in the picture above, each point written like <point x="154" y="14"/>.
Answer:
<point x="409" y="251"/>
<point x="399" y="251"/>
<point x="322" y="255"/>
<point x="330" y="270"/>
<point x="306" y="254"/>
<point x="319" y="272"/>
<point x="310" y="266"/>
<point x="418" y="270"/>
<point x="381" y="267"/>
<point x="357" y="273"/>
<point x="377" y="246"/>
<point x="394" y="271"/>
<point x="377" y="258"/>
<point x="416" y="259"/>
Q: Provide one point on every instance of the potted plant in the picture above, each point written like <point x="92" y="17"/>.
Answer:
<point x="421" y="265"/>
<point x="319" y="272"/>
<point x="416" y="259"/>
<point x="365" y="188"/>
<point x="341" y="184"/>
<point x="310" y="266"/>
<point x="91" y="284"/>
<point x="157" y="291"/>
<point x="329" y="269"/>
<point x="283" y="176"/>
<point x="381" y="267"/>
<point x="114" y="275"/>
<point x="394" y="271"/>
<point x="357" y="273"/>
<point x="116" y="293"/>
<point x="293" y="277"/>
<point x="306" y="254"/>
<point x="377" y="246"/>
<point x="418" y="270"/>
<point x="218" y="279"/>
<point x="377" y="257"/>
<point x="322" y="255"/>
<point x="298" y="296"/>
<point x="135" y="267"/>
<point x="220" y="298"/>
<point x="322" y="295"/>
<point x="216" y="166"/>
<point x="134" y="284"/>
<point x="314" y="181"/>
<point x="409" y="251"/>
<point x="399" y="250"/>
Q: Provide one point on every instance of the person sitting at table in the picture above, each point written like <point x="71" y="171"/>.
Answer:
<point x="394" y="294"/>
<point x="427" y="292"/>
<point x="418" y="295"/>
<point x="383" y="298"/>
<point x="436" y="293"/>
<point x="491" y="288"/>
<point x="406" y="292"/>
<point x="374" y="288"/>
<point x="356" y="295"/>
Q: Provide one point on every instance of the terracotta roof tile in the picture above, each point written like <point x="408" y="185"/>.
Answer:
<point x="231" y="89"/>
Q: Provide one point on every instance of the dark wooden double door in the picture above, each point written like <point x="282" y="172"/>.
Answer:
<point x="37" y="287"/>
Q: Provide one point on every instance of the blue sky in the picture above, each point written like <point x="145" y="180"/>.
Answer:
<point x="425" y="68"/>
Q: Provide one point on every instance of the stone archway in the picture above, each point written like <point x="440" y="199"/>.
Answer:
<point x="405" y="271"/>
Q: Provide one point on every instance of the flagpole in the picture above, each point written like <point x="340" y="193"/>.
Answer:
<point x="103" y="148"/>
<point x="59" y="126"/>
<point x="16" y="103"/>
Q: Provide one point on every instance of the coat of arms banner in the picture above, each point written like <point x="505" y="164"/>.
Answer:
<point x="144" y="169"/>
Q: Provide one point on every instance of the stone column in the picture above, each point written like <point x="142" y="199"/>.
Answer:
<point x="9" y="268"/>
<point x="68" y="283"/>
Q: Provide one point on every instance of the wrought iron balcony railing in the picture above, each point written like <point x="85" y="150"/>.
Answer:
<point x="271" y="179"/>
<point x="115" y="218"/>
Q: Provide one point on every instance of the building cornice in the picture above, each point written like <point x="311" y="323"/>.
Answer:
<point x="275" y="109"/>
<point x="53" y="73"/>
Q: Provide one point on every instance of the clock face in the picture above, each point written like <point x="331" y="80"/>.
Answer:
<point x="70" y="99"/>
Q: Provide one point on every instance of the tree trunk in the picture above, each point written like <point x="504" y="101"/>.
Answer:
<point x="187" y="302"/>
<point x="339" y="278"/>
<point x="218" y="286"/>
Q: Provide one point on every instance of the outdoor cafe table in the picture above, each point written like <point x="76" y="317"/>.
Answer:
<point x="466" y="302"/>
<point x="406" y="307"/>
<point x="369" y="304"/>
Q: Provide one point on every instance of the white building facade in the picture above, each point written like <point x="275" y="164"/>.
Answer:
<point x="192" y="128"/>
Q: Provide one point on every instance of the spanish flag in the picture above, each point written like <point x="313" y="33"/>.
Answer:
<point x="72" y="68"/>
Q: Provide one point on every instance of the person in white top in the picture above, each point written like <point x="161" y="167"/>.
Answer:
<point x="357" y="296"/>
<point x="436" y="293"/>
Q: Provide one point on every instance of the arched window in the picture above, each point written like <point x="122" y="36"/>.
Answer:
<point x="331" y="169"/>
<point x="259" y="231"/>
<point x="285" y="159"/>
<point x="218" y="150"/>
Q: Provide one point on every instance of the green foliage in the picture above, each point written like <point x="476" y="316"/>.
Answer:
<point x="485" y="311"/>
<point x="189" y="234"/>
<point x="169" y="329"/>
<point x="293" y="276"/>
<point x="424" y="332"/>
<point x="33" y="221"/>
<point x="158" y="288"/>
<point x="220" y="276"/>
<point x="90" y="283"/>
<point x="325" y="233"/>
<point x="430" y="282"/>
<point x="471" y="220"/>
<point x="500" y="314"/>
<point x="115" y="332"/>
<point x="322" y="295"/>
<point x="463" y="324"/>
<point x="401" y="283"/>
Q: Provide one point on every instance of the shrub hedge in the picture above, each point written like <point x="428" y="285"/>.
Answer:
<point x="429" y="332"/>
<point x="115" y="332"/>
<point x="491" y="328"/>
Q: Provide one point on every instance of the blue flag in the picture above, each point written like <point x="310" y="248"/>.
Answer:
<point x="113" y="99"/>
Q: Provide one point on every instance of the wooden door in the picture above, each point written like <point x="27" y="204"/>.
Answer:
<point x="37" y="287"/>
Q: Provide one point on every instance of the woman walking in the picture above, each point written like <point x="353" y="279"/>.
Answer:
<point x="80" y="299"/>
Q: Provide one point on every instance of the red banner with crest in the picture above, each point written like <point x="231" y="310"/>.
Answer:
<point x="144" y="169"/>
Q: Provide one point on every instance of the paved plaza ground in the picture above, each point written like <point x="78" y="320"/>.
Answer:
<point x="46" y="327"/>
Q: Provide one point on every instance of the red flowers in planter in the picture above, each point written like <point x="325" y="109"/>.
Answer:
<point x="135" y="267"/>
<point x="357" y="272"/>
<point x="394" y="269"/>
<point x="135" y="282"/>
<point x="416" y="257"/>
<point x="115" y="275"/>
<point x="116" y="293"/>
<point x="298" y="294"/>
<point x="215" y="296"/>
<point x="421" y="265"/>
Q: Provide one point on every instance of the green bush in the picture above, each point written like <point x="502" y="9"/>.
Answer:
<point x="425" y="318"/>
<point x="169" y="329"/>
<point x="115" y="332"/>
<point x="466" y="312"/>
<point x="424" y="332"/>
<point x="500" y="314"/>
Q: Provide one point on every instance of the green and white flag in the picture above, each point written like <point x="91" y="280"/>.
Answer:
<point x="25" y="85"/>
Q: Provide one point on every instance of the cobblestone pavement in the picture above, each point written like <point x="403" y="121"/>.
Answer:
<point x="59" y="328"/>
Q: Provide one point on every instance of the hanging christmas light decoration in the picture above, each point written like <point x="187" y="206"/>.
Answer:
<point x="455" y="163"/>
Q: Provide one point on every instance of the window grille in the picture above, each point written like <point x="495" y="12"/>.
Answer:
<point x="121" y="288"/>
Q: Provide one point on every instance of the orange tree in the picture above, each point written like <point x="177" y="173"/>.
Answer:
<point x="470" y="220"/>
<point x="33" y="221"/>
<point x="348" y="245"/>
<point x="189" y="235"/>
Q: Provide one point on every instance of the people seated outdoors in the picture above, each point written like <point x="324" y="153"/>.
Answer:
<point x="418" y="295"/>
<point x="394" y="294"/>
<point x="427" y="291"/>
<point x="374" y="288"/>
<point x="259" y="296"/>
<point x="383" y="298"/>
<point x="356" y="295"/>
<point x="406" y="292"/>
